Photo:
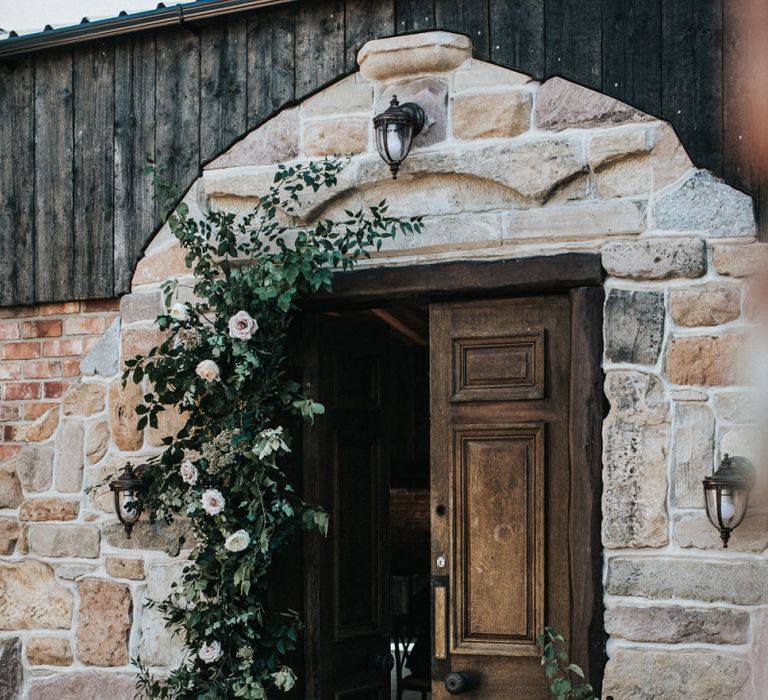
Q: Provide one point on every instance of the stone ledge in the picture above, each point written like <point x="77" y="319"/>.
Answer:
<point x="429" y="52"/>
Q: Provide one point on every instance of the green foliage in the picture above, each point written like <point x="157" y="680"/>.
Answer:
<point x="561" y="674"/>
<point x="237" y="401"/>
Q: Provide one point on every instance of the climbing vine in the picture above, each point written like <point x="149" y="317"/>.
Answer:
<point x="222" y="366"/>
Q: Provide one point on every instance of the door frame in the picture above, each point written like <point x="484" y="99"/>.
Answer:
<point x="581" y="276"/>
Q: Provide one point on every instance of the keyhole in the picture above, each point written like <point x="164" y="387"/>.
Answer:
<point x="440" y="510"/>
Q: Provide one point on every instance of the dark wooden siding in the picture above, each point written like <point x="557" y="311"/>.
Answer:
<point x="77" y="125"/>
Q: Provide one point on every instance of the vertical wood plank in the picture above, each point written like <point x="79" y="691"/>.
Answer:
<point x="574" y="40"/>
<point x="94" y="72"/>
<point x="223" y="92"/>
<point x="54" y="150"/>
<point x="414" y="16"/>
<point x="17" y="183"/>
<point x="517" y="36"/>
<point x="177" y="107"/>
<point x="270" y="64"/>
<point x="320" y="49"/>
<point x="135" y="218"/>
<point x="468" y="17"/>
<point x="365" y="21"/>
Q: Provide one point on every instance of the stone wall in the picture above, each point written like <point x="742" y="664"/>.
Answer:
<point x="506" y="168"/>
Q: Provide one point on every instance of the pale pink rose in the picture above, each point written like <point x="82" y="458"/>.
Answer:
<point x="208" y="370"/>
<point x="242" y="326"/>
<point x="213" y="501"/>
<point x="188" y="473"/>
<point x="209" y="653"/>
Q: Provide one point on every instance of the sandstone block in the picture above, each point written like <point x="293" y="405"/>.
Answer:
<point x="84" y="685"/>
<point x="11" y="670"/>
<point x="634" y="326"/>
<point x="139" y="341"/>
<point x="37" y="509"/>
<point x="159" y="646"/>
<point x="96" y="441"/>
<point x="479" y="75"/>
<point x="431" y="94"/>
<point x="10" y="532"/>
<point x="636" y="393"/>
<point x="694" y="531"/>
<point x="694" y="453"/>
<point x="742" y="582"/>
<point x="78" y="541"/>
<point x="103" y="357"/>
<point x="669" y="158"/>
<point x="49" y="651"/>
<point x="104" y="622"/>
<point x="161" y="265"/>
<point x="448" y="233"/>
<point x="641" y="675"/>
<point x="123" y="417"/>
<point x="492" y="115"/>
<point x="34" y="466"/>
<point x="655" y="259"/>
<point x="72" y="572"/>
<point x="708" y="305"/>
<point x="704" y="203"/>
<point x="737" y="407"/>
<point x="31" y="598"/>
<point x="84" y="399"/>
<point x="706" y="360"/>
<point x="146" y="535"/>
<point x="10" y="486"/>
<point x="615" y="145"/>
<point x="674" y="624"/>
<point x="746" y="442"/>
<point x="740" y="260"/>
<point x="428" y="52"/>
<point x="141" y="306"/>
<point x="43" y="427"/>
<point x="627" y="177"/>
<point x="335" y="137"/>
<point x="118" y="567"/>
<point x="69" y="470"/>
<point x="348" y="95"/>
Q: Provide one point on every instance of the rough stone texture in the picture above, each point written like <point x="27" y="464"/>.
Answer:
<point x="34" y="466"/>
<point x="72" y="572"/>
<point x="146" y="535"/>
<point x="741" y="581"/>
<point x="49" y="651"/>
<point x="675" y="624"/>
<point x="10" y="486"/>
<point x="123" y="416"/>
<point x="694" y="453"/>
<point x="655" y="259"/>
<point x="663" y="675"/>
<point x="708" y="305"/>
<point x="487" y="116"/>
<point x="347" y="96"/>
<point x="77" y="541"/>
<point x="617" y="144"/>
<point x="633" y="392"/>
<point x="561" y="104"/>
<point x="84" y="399"/>
<point x="43" y="427"/>
<point x="706" y="360"/>
<point x="633" y="326"/>
<point x="161" y="265"/>
<point x="745" y="442"/>
<point x="628" y="177"/>
<point x="31" y="598"/>
<point x="96" y="441"/>
<point x="69" y="470"/>
<point x="85" y="685"/>
<point x="104" y="356"/>
<point x="10" y="532"/>
<point x="335" y="137"/>
<point x="443" y="234"/>
<point x="11" y="670"/>
<point x="694" y="531"/>
<point x="669" y="158"/>
<point x="740" y="260"/>
<point x="276" y="141"/>
<point x="158" y="645"/>
<point x="737" y="407"/>
<point x="478" y="75"/>
<point x="38" y="509"/>
<point x="574" y="220"/>
<point x="139" y="341"/>
<point x="104" y="622"/>
<point x="429" y="52"/>
<point x="704" y="203"/>
<point x="431" y="94"/>
<point x="133" y="569"/>
<point x="141" y="306"/>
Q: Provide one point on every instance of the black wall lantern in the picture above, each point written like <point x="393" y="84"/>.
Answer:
<point x="726" y="494"/>
<point x="128" y="491"/>
<point x="395" y="130"/>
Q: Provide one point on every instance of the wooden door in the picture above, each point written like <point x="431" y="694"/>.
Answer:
<point x="346" y="471"/>
<point x="500" y="487"/>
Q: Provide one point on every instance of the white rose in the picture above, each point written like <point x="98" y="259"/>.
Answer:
<point x="210" y="652"/>
<point x="237" y="541"/>
<point x="189" y="473"/>
<point x="271" y="441"/>
<point x="180" y="312"/>
<point x="213" y="501"/>
<point x="208" y="370"/>
<point x="242" y="326"/>
<point x="285" y="678"/>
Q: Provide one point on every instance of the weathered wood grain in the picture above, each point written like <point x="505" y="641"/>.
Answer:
<point x="320" y="49"/>
<point x="470" y="17"/>
<point x="517" y="36"/>
<point x="414" y="15"/>
<point x="574" y="40"/>
<point x="366" y="20"/>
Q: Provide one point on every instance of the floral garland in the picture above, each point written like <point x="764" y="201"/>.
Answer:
<point x="222" y="365"/>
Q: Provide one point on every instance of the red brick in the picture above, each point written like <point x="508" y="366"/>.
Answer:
<point x="101" y="305"/>
<point x="71" y="368"/>
<point x="42" y="369"/>
<point x="9" y="330"/>
<point x="33" y="411"/>
<point x="10" y="370"/>
<point x="21" y="391"/>
<point x="62" y="348"/>
<point x="13" y="433"/>
<point x="9" y="412"/>
<point x="50" y="328"/>
<point x="8" y="451"/>
<point x="18" y="312"/>
<point x="77" y="325"/>
<point x="54" y="390"/>
<point x="59" y="308"/>
<point x="20" y="351"/>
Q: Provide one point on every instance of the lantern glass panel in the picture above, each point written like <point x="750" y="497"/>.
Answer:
<point x="396" y="139"/>
<point x="726" y="507"/>
<point x="128" y="505"/>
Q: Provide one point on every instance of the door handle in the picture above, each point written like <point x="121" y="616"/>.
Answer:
<point x="384" y="663"/>
<point x="458" y="682"/>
